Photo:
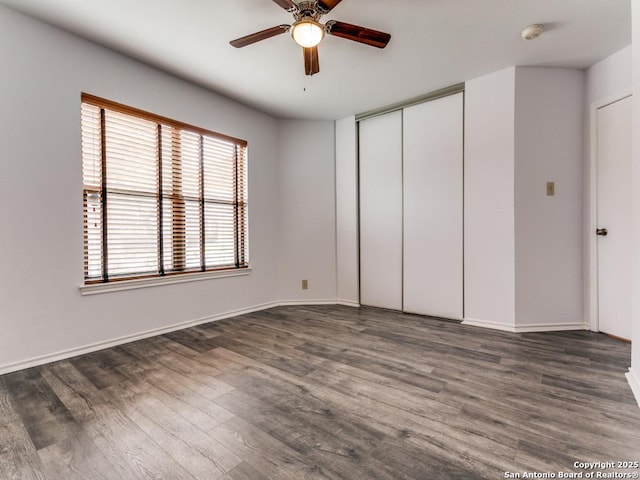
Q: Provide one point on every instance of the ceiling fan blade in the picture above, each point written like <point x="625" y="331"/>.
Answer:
<point x="358" y="34"/>
<point x="327" y="5"/>
<point x="262" y="35"/>
<point x="286" y="4"/>
<point x="311" y="64"/>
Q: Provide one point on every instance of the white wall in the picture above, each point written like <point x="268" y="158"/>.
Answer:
<point x="489" y="250"/>
<point x="523" y="249"/>
<point x="610" y="76"/>
<point x="41" y="261"/>
<point x="347" y="263"/>
<point x="307" y="210"/>
<point x="549" y="117"/>
<point x="634" y="374"/>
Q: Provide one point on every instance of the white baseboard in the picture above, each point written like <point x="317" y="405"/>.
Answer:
<point x="486" y="324"/>
<point x="634" y="383"/>
<point x="74" y="352"/>
<point x="539" y="327"/>
<point x="551" y="327"/>
<point x="348" y="303"/>
<point x="320" y="301"/>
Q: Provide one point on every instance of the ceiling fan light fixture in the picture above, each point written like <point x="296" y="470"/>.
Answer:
<point x="307" y="32"/>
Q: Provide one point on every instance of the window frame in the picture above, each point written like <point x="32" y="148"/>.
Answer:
<point x="179" y="273"/>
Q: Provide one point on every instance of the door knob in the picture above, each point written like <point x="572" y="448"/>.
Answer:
<point x="601" y="231"/>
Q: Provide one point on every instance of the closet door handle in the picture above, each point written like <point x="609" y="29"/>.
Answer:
<point x="601" y="231"/>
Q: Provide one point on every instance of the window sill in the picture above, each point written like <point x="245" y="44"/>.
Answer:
<point x="158" y="281"/>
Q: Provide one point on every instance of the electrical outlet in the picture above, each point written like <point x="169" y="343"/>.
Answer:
<point x="551" y="189"/>
<point x="305" y="284"/>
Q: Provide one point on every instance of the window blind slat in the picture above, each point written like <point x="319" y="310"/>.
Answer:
<point x="91" y="163"/>
<point x="175" y="197"/>
<point x="131" y="153"/>
<point x="219" y="179"/>
<point x="131" y="235"/>
<point x="219" y="234"/>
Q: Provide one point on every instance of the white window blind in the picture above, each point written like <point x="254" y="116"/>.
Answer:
<point x="160" y="197"/>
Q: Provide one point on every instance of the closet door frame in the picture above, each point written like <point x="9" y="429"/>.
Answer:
<point x="363" y="298"/>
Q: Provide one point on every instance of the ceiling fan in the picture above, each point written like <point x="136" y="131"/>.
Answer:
<point x="308" y="32"/>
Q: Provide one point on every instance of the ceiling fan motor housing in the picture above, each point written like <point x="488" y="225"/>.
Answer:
<point x="308" y="9"/>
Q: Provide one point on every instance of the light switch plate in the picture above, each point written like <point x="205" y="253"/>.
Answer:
<point x="551" y="189"/>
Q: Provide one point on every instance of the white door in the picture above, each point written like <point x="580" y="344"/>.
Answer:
<point x="380" y="144"/>
<point x="614" y="218"/>
<point x="433" y="207"/>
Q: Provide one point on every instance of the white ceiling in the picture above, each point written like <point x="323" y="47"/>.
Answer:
<point x="434" y="44"/>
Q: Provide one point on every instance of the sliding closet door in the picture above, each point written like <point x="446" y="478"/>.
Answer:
<point x="432" y="164"/>
<point x="380" y="145"/>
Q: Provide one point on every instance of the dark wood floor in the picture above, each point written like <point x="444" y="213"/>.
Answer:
<point x="323" y="392"/>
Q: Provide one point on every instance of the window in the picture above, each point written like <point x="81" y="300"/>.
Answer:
<point x="160" y="197"/>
